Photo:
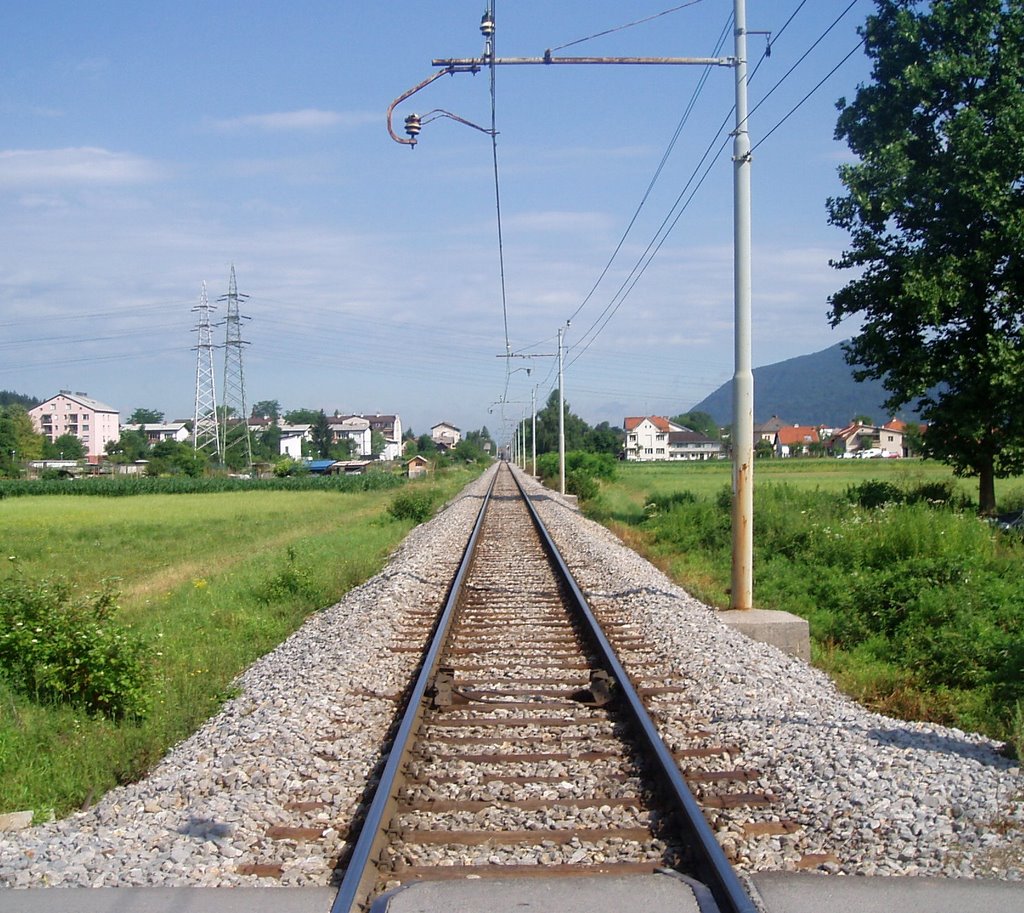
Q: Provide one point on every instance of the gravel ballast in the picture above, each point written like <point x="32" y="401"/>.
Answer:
<point x="272" y="780"/>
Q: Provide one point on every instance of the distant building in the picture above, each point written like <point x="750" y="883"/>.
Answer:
<point x="292" y="438"/>
<point x="794" y="440"/>
<point x="171" y="431"/>
<point x="653" y="437"/>
<point x="388" y="426"/>
<point x="92" y="422"/>
<point x="647" y="437"/>
<point x="418" y="466"/>
<point x="766" y="431"/>
<point x="445" y="435"/>
<point x="354" y="428"/>
<point x="693" y="445"/>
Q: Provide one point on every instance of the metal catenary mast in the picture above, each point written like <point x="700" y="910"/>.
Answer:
<point x="205" y="431"/>
<point x="234" y="434"/>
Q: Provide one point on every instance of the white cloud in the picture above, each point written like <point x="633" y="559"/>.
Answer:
<point x="81" y="165"/>
<point x="305" y="119"/>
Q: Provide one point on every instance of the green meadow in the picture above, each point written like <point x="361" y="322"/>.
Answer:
<point x="915" y="604"/>
<point x="200" y="584"/>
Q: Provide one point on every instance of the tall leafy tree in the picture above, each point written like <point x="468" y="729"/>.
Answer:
<point x="143" y="416"/>
<point x="320" y="435"/>
<point x="699" y="421"/>
<point x="604" y="438"/>
<point x="64" y="447"/>
<point x="303" y="416"/>
<point x="576" y="429"/>
<point x="129" y="447"/>
<point x="20" y="441"/>
<point x="271" y="408"/>
<point x="935" y="211"/>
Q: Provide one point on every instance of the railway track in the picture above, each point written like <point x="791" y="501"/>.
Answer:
<point x="524" y="751"/>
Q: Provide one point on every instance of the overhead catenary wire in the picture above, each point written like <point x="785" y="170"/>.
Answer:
<point x="658" y="171"/>
<point x="667" y="224"/>
<point x="627" y="25"/>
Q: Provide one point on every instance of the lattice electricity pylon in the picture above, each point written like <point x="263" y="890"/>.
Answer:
<point x="234" y="434"/>
<point x="205" y="431"/>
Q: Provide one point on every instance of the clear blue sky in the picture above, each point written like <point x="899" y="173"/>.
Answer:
<point x="148" y="146"/>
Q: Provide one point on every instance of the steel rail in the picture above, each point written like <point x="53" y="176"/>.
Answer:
<point x="360" y="873"/>
<point x="713" y="866"/>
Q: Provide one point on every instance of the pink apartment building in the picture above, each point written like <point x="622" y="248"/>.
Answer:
<point x="92" y="422"/>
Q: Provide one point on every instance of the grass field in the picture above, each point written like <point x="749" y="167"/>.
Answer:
<point x="915" y="605"/>
<point x="208" y="582"/>
<point x="636" y="482"/>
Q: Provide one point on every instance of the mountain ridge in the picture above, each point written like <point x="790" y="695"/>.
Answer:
<point x="815" y="389"/>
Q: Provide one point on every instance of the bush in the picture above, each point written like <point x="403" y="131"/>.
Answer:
<point x="290" y="582"/>
<point x="414" y="504"/>
<point x="582" y="484"/>
<point x="582" y="470"/>
<point x="54" y="648"/>
<point x="874" y="493"/>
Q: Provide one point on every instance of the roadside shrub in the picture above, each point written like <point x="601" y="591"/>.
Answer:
<point x="659" y="503"/>
<point x="580" y="465"/>
<point x="582" y="484"/>
<point x="940" y="493"/>
<point x="290" y="582"/>
<point x="55" y="648"/>
<point x="874" y="493"/>
<point x="415" y="504"/>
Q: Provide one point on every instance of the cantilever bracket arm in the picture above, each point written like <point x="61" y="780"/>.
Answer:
<point x="426" y="82"/>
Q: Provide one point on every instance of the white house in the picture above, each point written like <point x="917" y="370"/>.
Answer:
<point x="445" y="435"/>
<point x="692" y="445"/>
<point x="356" y="429"/>
<point x="647" y="437"/>
<point x="171" y="431"/>
<point x="92" y="422"/>
<point x="292" y="437"/>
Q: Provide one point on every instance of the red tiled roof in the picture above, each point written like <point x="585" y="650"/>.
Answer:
<point x="660" y="423"/>
<point x="798" y="434"/>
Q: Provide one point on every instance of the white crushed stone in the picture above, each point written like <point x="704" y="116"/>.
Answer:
<point x="872" y="795"/>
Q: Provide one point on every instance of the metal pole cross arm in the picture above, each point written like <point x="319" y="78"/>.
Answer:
<point x="467" y="64"/>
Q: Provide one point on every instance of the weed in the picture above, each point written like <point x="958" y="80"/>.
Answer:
<point x="416" y="504"/>
<point x="55" y="648"/>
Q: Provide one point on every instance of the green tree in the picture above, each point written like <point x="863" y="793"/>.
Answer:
<point x="176" y="458"/>
<point x="342" y="449"/>
<point x="603" y="438"/>
<point x="302" y="416"/>
<point x="129" y="447"/>
<point x="320" y="434"/>
<point x="10" y="398"/>
<point x="267" y="444"/>
<point x="18" y="439"/>
<point x="64" y="447"/>
<point x="935" y="212"/>
<point x="145" y="417"/>
<point x="699" y="421"/>
<point x="377" y="443"/>
<point x="270" y="408"/>
<point x="547" y="428"/>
